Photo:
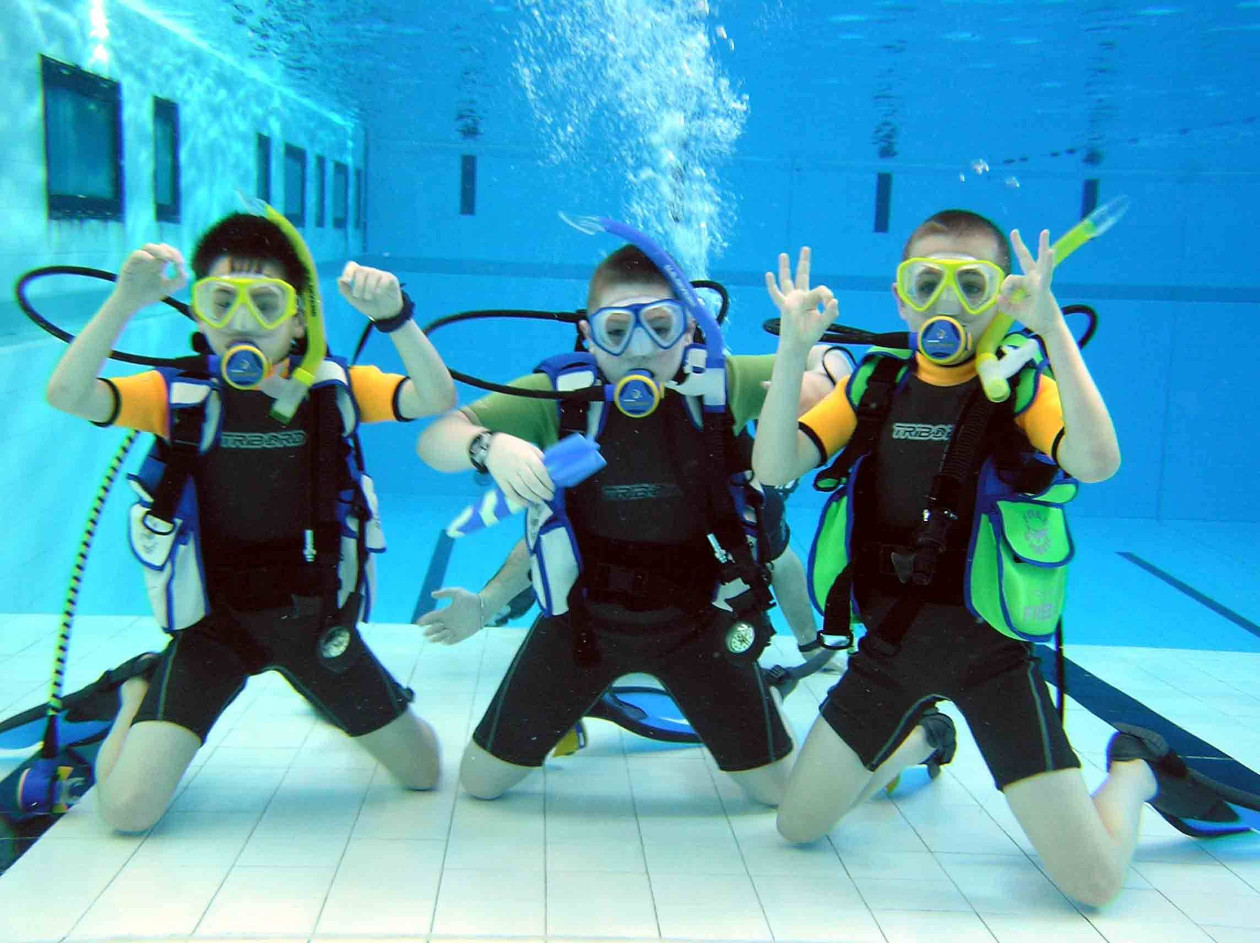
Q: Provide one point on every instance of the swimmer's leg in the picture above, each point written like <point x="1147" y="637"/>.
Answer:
<point x="161" y="724"/>
<point x="788" y="581"/>
<point x="1086" y="842"/>
<point x="485" y="776"/>
<point x="408" y="748"/>
<point x="829" y="779"/>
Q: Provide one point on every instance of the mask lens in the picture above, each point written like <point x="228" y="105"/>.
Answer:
<point x="611" y="328"/>
<point x="977" y="285"/>
<point x="921" y="282"/>
<point x="664" y="322"/>
<point x="214" y="300"/>
<point x="270" y="301"/>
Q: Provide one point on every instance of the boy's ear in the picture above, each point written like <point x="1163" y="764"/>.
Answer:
<point x="901" y="307"/>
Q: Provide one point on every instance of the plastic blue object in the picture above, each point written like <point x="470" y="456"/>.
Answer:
<point x="573" y="460"/>
<point x="569" y="461"/>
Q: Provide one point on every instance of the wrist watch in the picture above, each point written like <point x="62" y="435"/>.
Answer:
<point x="479" y="450"/>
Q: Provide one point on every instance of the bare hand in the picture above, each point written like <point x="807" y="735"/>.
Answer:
<point x="517" y="467"/>
<point x="1027" y="297"/>
<point x="372" y="291"/>
<point x="801" y="324"/>
<point x="458" y="621"/>
<point x="142" y="280"/>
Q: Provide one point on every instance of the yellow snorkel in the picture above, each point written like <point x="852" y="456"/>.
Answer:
<point x="993" y="374"/>
<point x="299" y="382"/>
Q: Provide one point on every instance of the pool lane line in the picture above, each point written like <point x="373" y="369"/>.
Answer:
<point x="1221" y="610"/>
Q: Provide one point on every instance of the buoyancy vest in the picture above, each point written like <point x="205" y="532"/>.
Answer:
<point x="1012" y="560"/>
<point x="735" y="538"/>
<point x="343" y="529"/>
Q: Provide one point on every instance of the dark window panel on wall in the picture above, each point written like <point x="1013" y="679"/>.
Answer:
<point x="83" y="149"/>
<point x="263" y="183"/>
<point x="295" y="184"/>
<point x="341" y="184"/>
<point x="165" y="161"/>
<point x="358" y="198"/>
<point x="321" y="173"/>
<point x="468" y="185"/>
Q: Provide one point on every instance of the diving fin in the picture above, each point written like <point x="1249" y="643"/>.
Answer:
<point x="1190" y="801"/>
<point x="85" y="715"/>
<point x="646" y="711"/>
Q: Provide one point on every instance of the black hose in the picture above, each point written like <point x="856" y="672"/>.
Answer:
<point x="28" y="309"/>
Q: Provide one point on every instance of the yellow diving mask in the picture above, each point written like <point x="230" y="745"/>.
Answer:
<point x="271" y="301"/>
<point x="977" y="283"/>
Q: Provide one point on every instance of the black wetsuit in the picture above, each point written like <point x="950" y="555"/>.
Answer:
<point x="648" y="574"/>
<point x="946" y="653"/>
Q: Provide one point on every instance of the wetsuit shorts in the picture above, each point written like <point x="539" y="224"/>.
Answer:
<point x="206" y="665"/>
<point x="545" y="692"/>
<point x="947" y="654"/>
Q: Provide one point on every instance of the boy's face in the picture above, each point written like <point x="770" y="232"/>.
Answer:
<point x="951" y="246"/>
<point x="642" y="354"/>
<point x="275" y="342"/>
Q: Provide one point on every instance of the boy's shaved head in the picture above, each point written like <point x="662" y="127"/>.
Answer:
<point x="962" y="223"/>
<point x="627" y="266"/>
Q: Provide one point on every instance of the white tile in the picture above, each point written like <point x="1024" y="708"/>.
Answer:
<point x="694" y="858"/>
<point x="596" y="856"/>
<point x="1139" y="916"/>
<point x="1001" y="884"/>
<point x="277" y="901"/>
<point x="582" y="903"/>
<point x="709" y="907"/>
<point x="296" y="849"/>
<point x="209" y="838"/>
<point x="908" y="865"/>
<point x="152" y="899"/>
<point x="384" y="887"/>
<point x="229" y="790"/>
<point x="40" y="875"/>
<point x="1030" y="928"/>
<point x="907" y="926"/>
<point x="1230" y="934"/>
<point x="519" y="905"/>
<point x="815" y="907"/>
<point x="765" y="852"/>
<point x="389" y="811"/>
<point x="900" y="894"/>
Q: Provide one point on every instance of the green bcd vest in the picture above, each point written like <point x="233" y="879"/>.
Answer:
<point x="1016" y="577"/>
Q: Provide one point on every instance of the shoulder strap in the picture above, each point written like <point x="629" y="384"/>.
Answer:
<point x="186" y="407"/>
<point x="328" y="468"/>
<point x="878" y="381"/>
<point x="570" y="371"/>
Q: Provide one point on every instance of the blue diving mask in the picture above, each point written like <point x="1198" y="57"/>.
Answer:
<point x="640" y="329"/>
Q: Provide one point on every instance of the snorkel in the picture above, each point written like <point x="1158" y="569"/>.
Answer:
<point x="638" y="393"/>
<point x="241" y="363"/>
<point x="994" y="373"/>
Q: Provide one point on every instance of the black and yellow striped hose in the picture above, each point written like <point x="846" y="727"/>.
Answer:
<point x="49" y="748"/>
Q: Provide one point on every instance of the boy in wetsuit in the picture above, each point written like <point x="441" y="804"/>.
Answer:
<point x="253" y="487"/>
<point x="648" y="570"/>
<point x="864" y="735"/>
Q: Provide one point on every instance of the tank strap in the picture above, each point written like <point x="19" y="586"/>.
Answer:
<point x="182" y="450"/>
<point x="872" y="408"/>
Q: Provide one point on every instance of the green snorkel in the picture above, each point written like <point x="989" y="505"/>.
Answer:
<point x="995" y="373"/>
<point x="303" y="376"/>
